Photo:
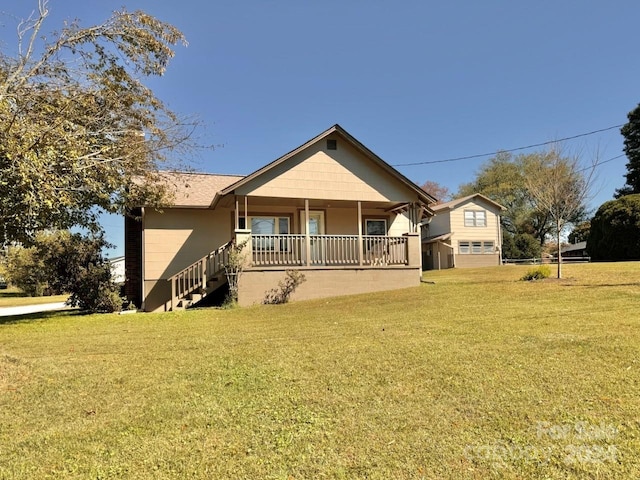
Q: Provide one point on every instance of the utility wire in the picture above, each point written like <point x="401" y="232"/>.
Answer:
<point x="468" y="157"/>
<point x="597" y="164"/>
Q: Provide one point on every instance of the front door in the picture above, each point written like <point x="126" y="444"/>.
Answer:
<point x="316" y="227"/>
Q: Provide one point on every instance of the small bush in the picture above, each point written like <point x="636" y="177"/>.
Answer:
<point x="543" y="271"/>
<point x="93" y="290"/>
<point x="285" y="289"/>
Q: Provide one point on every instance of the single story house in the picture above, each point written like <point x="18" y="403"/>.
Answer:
<point x="575" y="250"/>
<point x="464" y="232"/>
<point x="330" y="208"/>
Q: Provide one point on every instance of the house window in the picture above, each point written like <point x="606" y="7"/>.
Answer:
<point x="476" y="247"/>
<point x="375" y="226"/>
<point x="269" y="226"/>
<point x="332" y="144"/>
<point x="475" y="218"/>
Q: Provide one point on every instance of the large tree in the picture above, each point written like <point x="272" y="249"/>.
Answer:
<point x="80" y="133"/>
<point x="631" y="133"/>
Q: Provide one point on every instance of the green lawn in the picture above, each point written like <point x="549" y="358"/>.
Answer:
<point x="476" y="376"/>
<point x="14" y="297"/>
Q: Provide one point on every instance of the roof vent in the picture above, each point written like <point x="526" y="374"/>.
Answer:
<point x="332" y="144"/>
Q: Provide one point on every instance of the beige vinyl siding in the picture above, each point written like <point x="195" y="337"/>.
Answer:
<point x="176" y="238"/>
<point x="399" y="225"/>
<point x="318" y="173"/>
<point x="440" y="224"/>
<point x="464" y="233"/>
<point x="341" y="221"/>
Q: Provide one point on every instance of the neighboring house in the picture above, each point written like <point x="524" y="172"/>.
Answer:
<point x="464" y="232"/>
<point x="117" y="269"/>
<point x="578" y="249"/>
<point x="330" y="208"/>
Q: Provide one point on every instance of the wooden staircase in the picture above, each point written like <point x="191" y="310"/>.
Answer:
<point x="202" y="277"/>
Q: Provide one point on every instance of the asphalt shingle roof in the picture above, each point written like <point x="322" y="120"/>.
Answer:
<point x="198" y="189"/>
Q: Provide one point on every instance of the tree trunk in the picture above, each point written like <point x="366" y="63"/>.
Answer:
<point x="559" y="249"/>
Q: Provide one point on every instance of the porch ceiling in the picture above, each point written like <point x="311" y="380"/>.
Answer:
<point x="228" y="201"/>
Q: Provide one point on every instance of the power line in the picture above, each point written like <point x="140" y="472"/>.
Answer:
<point x="597" y="164"/>
<point x="468" y="157"/>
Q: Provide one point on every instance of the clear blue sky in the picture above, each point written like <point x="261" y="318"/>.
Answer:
<point x="413" y="80"/>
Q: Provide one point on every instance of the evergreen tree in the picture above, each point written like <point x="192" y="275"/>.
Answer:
<point x="615" y="230"/>
<point x="631" y="134"/>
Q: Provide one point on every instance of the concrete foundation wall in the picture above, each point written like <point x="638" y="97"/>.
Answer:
<point x="323" y="283"/>
<point x="472" y="261"/>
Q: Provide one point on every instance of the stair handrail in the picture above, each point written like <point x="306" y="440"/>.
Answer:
<point x="194" y="278"/>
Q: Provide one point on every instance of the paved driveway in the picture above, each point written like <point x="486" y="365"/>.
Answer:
<point x="25" y="309"/>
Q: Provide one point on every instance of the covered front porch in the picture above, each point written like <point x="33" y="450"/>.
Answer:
<point x="343" y="247"/>
<point x="321" y="233"/>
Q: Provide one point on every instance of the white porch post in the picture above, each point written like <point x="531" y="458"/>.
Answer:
<point x="412" y="217"/>
<point x="360" y="233"/>
<point x="237" y="214"/>
<point x="246" y="209"/>
<point x="307" y="238"/>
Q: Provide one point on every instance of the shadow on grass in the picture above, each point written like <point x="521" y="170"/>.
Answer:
<point x="11" y="294"/>
<point x="38" y="317"/>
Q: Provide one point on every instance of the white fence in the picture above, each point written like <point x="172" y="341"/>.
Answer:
<point x="544" y="260"/>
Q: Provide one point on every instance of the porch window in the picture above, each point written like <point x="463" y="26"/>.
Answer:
<point x="476" y="247"/>
<point x="270" y="226"/>
<point x="475" y="218"/>
<point x="375" y="226"/>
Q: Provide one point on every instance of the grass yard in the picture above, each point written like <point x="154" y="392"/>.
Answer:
<point x="14" y="297"/>
<point x="478" y="376"/>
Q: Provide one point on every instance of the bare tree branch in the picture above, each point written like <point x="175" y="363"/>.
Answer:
<point x="559" y="186"/>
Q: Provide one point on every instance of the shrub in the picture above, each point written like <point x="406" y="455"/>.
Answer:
<point x="281" y="294"/>
<point x="93" y="291"/>
<point x="615" y="230"/>
<point x="521" y="245"/>
<point x="233" y="270"/>
<point x="62" y="262"/>
<point x="543" y="271"/>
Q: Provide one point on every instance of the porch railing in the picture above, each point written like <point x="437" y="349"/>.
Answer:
<point x="194" y="278"/>
<point x="328" y="250"/>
